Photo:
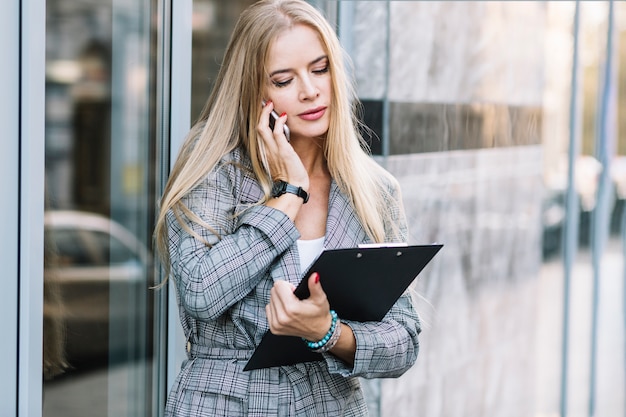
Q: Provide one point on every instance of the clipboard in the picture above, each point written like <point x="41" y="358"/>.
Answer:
<point x="361" y="284"/>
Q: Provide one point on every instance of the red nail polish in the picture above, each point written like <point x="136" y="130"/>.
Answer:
<point x="268" y="102"/>
<point x="284" y="114"/>
<point x="317" y="277"/>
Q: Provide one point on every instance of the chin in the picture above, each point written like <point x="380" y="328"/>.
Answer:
<point x="315" y="131"/>
<point x="312" y="134"/>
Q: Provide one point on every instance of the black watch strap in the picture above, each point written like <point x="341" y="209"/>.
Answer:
<point x="282" y="187"/>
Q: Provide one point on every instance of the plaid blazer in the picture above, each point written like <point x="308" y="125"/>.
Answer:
<point x="222" y="292"/>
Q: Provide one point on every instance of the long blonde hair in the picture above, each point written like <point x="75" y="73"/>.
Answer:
<point x="231" y="113"/>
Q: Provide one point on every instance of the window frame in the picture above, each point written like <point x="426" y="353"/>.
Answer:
<point x="31" y="139"/>
<point x="9" y="205"/>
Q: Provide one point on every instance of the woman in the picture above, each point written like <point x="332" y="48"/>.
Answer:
<point x="236" y="239"/>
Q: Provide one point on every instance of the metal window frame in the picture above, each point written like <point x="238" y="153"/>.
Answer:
<point x="9" y="204"/>
<point x="163" y="80"/>
<point x="180" y="116"/>
<point x="31" y="205"/>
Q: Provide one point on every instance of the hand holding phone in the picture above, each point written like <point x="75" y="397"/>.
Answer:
<point x="273" y="117"/>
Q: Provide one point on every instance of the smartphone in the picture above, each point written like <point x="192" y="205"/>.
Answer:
<point x="273" y="117"/>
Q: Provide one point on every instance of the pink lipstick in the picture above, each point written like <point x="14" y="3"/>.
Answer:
<point x="313" y="114"/>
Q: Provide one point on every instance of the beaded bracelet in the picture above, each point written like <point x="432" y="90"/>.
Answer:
<point x="330" y="339"/>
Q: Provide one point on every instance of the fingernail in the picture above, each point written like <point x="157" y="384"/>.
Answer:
<point x="317" y="277"/>
<point x="284" y="114"/>
<point x="268" y="102"/>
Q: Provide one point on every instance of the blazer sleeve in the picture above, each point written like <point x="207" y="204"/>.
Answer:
<point x="211" y="278"/>
<point x="384" y="349"/>
<point x="388" y="348"/>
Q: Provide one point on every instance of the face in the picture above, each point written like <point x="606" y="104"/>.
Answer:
<point x="299" y="82"/>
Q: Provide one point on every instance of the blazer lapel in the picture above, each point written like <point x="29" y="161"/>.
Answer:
<point x="343" y="228"/>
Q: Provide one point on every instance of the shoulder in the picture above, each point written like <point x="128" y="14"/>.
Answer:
<point x="232" y="167"/>
<point x="393" y="215"/>
<point x="387" y="182"/>
<point x="235" y="159"/>
<point x="234" y="173"/>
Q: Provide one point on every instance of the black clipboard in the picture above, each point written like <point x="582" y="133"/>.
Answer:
<point x="361" y="284"/>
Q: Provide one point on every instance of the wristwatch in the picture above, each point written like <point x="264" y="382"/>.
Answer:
<point x="282" y="187"/>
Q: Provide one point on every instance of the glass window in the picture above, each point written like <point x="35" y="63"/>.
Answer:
<point x="70" y="250"/>
<point x="100" y="193"/>
<point x="213" y="23"/>
<point x="114" y="250"/>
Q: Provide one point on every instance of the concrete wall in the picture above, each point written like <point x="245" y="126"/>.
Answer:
<point x="464" y="89"/>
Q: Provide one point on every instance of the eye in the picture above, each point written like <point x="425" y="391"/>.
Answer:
<point x="321" y="71"/>
<point x="281" y="84"/>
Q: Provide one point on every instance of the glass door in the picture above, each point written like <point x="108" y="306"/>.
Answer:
<point x="101" y="188"/>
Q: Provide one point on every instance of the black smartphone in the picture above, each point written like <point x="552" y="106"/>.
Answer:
<point x="273" y="117"/>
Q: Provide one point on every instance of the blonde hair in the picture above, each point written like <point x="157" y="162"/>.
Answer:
<point x="231" y="113"/>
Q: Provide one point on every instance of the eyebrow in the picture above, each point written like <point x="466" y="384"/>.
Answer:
<point x="315" y="61"/>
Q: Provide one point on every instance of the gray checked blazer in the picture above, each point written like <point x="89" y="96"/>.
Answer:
<point x="222" y="292"/>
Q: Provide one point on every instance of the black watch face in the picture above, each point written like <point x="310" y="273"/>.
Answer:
<point x="278" y="188"/>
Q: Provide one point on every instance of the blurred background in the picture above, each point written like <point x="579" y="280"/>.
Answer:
<point x="505" y="123"/>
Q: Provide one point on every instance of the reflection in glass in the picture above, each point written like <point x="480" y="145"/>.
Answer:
<point x="213" y="22"/>
<point x="94" y="257"/>
<point x="100" y="159"/>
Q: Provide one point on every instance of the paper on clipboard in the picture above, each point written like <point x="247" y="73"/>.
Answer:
<point x="361" y="284"/>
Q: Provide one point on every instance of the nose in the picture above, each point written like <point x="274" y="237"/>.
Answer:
<point x="308" y="89"/>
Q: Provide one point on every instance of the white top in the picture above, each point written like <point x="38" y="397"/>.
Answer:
<point x="309" y="250"/>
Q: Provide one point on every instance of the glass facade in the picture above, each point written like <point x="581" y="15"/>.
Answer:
<point x="212" y="24"/>
<point x="100" y="170"/>
<point x="503" y="121"/>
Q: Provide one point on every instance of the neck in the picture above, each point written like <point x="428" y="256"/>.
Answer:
<point x="311" y="153"/>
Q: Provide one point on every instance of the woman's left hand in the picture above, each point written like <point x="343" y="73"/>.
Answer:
<point x="289" y="316"/>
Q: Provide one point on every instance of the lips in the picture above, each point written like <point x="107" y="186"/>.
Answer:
<point x="313" y="114"/>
